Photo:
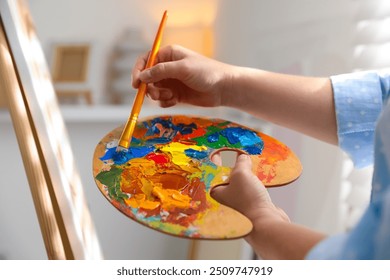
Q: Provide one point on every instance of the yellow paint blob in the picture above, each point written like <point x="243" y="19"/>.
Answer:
<point x="140" y="201"/>
<point x="137" y="168"/>
<point x="178" y="155"/>
<point x="215" y="174"/>
<point x="147" y="186"/>
<point x="171" y="199"/>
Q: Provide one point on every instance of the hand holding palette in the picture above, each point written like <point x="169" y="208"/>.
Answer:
<point x="163" y="180"/>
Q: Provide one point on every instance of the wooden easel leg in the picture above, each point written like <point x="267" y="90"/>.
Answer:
<point x="53" y="232"/>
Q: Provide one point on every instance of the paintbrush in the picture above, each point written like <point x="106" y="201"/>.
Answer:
<point x="127" y="133"/>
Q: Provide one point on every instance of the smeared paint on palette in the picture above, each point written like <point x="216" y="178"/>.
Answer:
<point x="164" y="179"/>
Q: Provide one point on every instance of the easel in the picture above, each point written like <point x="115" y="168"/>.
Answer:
<point x="66" y="225"/>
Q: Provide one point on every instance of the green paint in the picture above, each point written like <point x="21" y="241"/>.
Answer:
<point x="111" y="179"/>
<point x="222" y="141"/>
<point x="224" y="124"/>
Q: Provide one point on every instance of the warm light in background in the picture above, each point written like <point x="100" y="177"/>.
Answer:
<point x="196" y="38"/>
<point x="183" y="13"/>
<point x="190" y="23"/>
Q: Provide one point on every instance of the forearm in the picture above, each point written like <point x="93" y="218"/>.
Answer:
<point x="282" y="240"/>
<point x="303" y="104"/>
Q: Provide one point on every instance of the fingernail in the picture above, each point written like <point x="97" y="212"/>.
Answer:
<point x="212" y="189"/>
<point x="244" y="156"/>
<point x="212" y="192"/>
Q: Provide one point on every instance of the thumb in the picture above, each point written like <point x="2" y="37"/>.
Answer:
<point x="231" y="193"/>
<point x="219" y="193"/>
<point x="243" y="162"/>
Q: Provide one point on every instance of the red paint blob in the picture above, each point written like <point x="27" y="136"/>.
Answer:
<point x="158" y="158"/>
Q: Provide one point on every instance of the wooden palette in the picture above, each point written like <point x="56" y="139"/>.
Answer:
<point x="164" y="180"/>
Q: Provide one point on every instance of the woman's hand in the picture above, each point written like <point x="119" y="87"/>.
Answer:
<point x="183" y="76"/>
<point x="247" y="194"/>
<point x="273" y="235"/>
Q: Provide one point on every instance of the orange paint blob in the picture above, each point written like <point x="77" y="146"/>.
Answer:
<point x="140" y="201"/>
<point x="171" y="199"/>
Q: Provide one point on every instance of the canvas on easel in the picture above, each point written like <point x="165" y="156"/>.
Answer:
<point x="66" y="224"/>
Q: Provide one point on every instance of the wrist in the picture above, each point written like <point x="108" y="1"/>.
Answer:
<point x="278" y="239"/>
<point x="241" y="87"/>
<point x="266" y="214"/>
<point x="229" y="86"/>
<point x="263" y="236"/>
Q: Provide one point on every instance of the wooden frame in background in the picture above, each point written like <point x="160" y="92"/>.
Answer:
<point x="70" y="73"/>
<point x="71" y="63"/>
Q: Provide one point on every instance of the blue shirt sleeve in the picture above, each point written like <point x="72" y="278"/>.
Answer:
<point x="359" y="98"/>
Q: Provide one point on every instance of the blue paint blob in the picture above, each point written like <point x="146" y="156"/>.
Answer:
<point x="208" y="177"/>
<point x="214" y="137"/>
<point x="232" y="134"/>
<point x="135" y="141"/>
<point x="250" y="138"/>
<point x="195" y="154"/>
<point x="123" y="156"/>
<point x="138" y="152"/>
<point x="240" y="135"/>
<point x="119" y="157"/>
<point x="165" y="123"/>
<point x="172" y="129"/>
<point x="109" y="154"/>
<point x="153" y="130"/>
<point x="186" y="128"/>
<point x="158" y="140"/>
<point x="254" y="149"/>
